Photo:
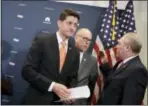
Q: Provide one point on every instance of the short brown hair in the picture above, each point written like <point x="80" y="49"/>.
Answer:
<point x="68" y="12"/>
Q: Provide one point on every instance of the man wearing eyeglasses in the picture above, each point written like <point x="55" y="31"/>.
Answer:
<point x="88" y="69"/>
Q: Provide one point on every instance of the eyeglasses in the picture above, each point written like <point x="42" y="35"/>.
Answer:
<point x="85" y="38"/>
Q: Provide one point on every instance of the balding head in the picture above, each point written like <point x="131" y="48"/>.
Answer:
<point x="83" y="39"/>
<point x="84" y="31"/>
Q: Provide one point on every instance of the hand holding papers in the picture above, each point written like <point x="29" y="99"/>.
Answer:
<point x="80" y="92"/>
<point x="77" y="93"/>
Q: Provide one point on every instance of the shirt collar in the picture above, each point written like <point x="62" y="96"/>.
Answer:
<point x="81" y="52"/>
<point x="126" y="60"/>
<point x="60" y="39"/>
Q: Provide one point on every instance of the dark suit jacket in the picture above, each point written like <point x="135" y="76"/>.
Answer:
<point x="41" y="68"/>
<point x="6" y="87"/>
<point x="87" y="75"/>
<point x="126" y="85"/>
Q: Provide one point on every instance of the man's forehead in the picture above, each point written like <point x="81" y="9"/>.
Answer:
<point x="84" y="32"/>
<point x="71" y="18"/>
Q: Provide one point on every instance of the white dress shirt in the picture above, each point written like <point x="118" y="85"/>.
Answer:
<point x="81" y="56"/>
<point x="128" y="59"/>
<point x="60" y="40"/>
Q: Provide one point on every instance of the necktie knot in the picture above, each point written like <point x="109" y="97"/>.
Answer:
<point x="63" y="44"/>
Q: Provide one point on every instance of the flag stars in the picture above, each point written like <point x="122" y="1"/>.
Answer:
<point x="107" y="26"/>
<point x="108" y="21"/>
<point x="109" y="39"/>
<point x="112" y="7"/>
<point x="129" y="11"/>
<point x="102" y="25"/>
<point x="124" y="20"/>
<point x="108" y="44"/>
<point x="131" y="23"/>
<point x="116" y="27"/>
<point x="132" y="18"/>
<point x="119" y="35"/>
<point x="113" y="43"/>
<point x="105" y="36"/>
<point x="128" y="16"/>
<point x="111" y="11"/>
<point x="110" y="16"/>
<point x="106" y="31"/>
<point x="122" y="26"/>
<point x="121" y="31"/>
<point x="117" y="22"/>
<point x="101" y="30"/>
<point x="130" y="28"/>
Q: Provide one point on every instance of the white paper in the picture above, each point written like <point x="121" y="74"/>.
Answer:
<point x="78" y="93"/>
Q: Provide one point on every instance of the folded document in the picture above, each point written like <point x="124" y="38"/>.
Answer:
<point x="78" y="93"/>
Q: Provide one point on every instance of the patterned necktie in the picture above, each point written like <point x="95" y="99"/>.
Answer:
<point x="62" y="54"/>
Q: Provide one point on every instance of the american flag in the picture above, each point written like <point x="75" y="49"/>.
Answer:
<point x="113" y="27"/>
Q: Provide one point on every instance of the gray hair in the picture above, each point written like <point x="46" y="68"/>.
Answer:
<point x="134" y="42"/>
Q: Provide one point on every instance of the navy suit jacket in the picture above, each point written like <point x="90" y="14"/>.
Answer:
<point x="126" y="85"/>
<point x="41" y="68"/>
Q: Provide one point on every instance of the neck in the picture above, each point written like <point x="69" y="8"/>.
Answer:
<point x="80" y="50"/>
<point x="62" y="36"/>
<point x="130" y="55"/>
<point x="77" y="46"/>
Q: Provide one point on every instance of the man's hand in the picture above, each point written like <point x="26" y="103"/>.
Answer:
<point x="61" y="91"/>
<point x="104" y="60"/>
<point x="103" y="57"/>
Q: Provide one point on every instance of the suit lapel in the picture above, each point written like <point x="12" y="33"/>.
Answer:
<point x="123" y="67"/>
<point x="116" y="72"/>
<point x="54" y="50"/>
<point x="83" y="62"/>
<point x="82" y="71"/>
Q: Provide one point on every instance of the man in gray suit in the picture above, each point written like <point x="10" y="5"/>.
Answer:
<point x="88" y="69"/>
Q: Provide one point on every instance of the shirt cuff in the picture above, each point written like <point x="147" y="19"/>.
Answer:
<point x="51" y="87"/>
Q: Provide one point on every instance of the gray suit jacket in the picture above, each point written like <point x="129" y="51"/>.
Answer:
<point x="87" y="75"/>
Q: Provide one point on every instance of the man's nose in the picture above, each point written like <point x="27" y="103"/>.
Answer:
<point x="72" y="27"/>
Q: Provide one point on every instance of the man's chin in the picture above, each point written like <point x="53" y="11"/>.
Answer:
<point x="69" y="36"/>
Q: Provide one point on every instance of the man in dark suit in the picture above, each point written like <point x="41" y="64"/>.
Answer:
<point x="126" y="83"/>
<point x="6" y="83"/>
<point x="52" y="63"/>
<point x="88" y="69"/>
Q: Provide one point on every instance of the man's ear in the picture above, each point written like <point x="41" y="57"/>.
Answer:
<point x="128" y="48"/>
<point x="59" y="23"/>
